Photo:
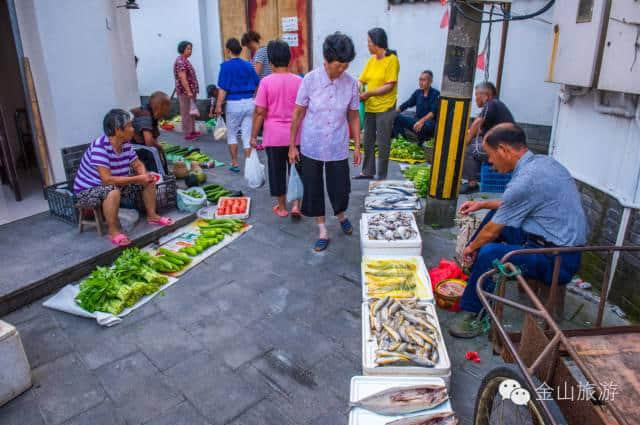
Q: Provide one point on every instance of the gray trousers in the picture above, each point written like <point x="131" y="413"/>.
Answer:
<point x="474" y="156"/>
<point x="377" y="131"/>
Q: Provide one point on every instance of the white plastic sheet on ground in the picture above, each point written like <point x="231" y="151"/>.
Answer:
<point x="65" y="301"/>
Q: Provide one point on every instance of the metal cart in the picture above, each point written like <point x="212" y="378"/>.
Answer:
<point x="579" y="376"/>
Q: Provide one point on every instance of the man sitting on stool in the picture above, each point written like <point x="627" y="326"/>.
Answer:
<point x="540" y="208"/>
<point x="426" y="100"/>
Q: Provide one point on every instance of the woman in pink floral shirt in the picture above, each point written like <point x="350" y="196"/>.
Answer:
<point x="186" y="88"/>
<point x="326" y="109"/>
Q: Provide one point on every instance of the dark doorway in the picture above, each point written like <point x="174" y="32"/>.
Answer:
<point x="21" y="189"/>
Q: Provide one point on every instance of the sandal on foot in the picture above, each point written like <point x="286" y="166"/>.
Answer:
<point x="161" y="221"/>
<point x="321" y="245"/>
<point x="295" y="213"/>
<point x="234" y="168"/>
<point x="363" y="177"/>
<point x="346" y="226"/>
<point x="280" y="213"/>
<point x="120" y="239"/>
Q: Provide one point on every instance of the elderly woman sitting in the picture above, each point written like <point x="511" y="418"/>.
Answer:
<point x="103" y="176"/>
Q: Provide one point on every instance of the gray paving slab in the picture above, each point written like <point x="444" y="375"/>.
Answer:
<point x="148" y="399"/>
<point x="263" y="413"/>
<point x="64" y="388"/>
<point x="182" y="414"/>
<point x="163" y="341"/>
<point x="215" y="390"/>
<point x="118" y="377"/>
<point x="22" y="410"/>
<point x="103" y="414"/>
<point x="43" y="340"/>
<point x="334" y="373"/>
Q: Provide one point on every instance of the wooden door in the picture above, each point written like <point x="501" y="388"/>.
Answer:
<point x="272" y="19"/>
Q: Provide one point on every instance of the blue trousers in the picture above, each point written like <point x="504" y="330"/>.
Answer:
<point x="404" y="122"/>
<point x="533" y="266"/>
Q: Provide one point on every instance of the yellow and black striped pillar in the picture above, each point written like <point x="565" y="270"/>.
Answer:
<point x="448" y="155"/>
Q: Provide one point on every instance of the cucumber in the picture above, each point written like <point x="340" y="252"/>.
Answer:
<point x="181" y="257"/>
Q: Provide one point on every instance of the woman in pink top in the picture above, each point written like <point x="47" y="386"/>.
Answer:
<point x="275" y="102"/>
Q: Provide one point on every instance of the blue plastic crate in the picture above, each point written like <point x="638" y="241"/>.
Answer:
<point x="493" y="181"/>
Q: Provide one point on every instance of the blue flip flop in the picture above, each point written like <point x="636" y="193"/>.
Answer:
<point x="234" y="168"/>
<point x="321" y="245"/>
<point x="346" y="226"/>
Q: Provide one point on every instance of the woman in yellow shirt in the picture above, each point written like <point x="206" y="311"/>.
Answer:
<point x="380" y="76"/>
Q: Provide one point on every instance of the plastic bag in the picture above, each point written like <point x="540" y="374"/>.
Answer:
<point x="220" y="130"/>
<point x="254" y="171"/>
<point x="194" y="109"/>
<point x="189" y="203"/>
<point x="295" y="189"/>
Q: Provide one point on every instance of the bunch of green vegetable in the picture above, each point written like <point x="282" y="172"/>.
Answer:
<point x="170" y="261"/>
<point x="212" y="232"/>
<point x="198" y="157"/>
<point x="215" y="192"/>
<point x="401" y="148"/>
<point x="112" y="289"/>
<point x="194" y="194"/>
<point x="420" y="175"/>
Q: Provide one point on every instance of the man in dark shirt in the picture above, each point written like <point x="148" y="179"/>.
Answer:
<point x="493" y="112"/>
<point x="145" y="125"/>
<point x="426" y="100"/>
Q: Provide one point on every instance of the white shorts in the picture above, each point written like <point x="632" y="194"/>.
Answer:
<point x="239" y="119"/>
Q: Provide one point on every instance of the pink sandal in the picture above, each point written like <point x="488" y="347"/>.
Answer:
<point x="280" y="213"/>
<point x="120" y="239"/>
<point x="161" y="221"/>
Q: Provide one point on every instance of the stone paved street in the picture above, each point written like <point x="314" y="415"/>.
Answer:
<point x="263" y="332"/>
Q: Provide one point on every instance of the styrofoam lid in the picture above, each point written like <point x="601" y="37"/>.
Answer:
<point x="6" y="330"/>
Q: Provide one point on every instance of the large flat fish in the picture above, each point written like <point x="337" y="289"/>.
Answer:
<point x="401" y="400"/>
<point x="446" y="418"/>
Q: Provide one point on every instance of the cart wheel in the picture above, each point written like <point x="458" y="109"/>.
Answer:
<point x="493" y="409"/>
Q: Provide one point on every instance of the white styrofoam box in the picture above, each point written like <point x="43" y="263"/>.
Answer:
<point x="15" y="372"/>
<point x="405" y="184"/>
<point x="364" y="386"/>
<point x="424" y="290"/>
<point x="370" y="345"/>
<point x="400" y="247"/>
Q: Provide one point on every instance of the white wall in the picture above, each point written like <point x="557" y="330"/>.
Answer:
<point x="600" y="150"/>
<point x="157" y="28"/>
<point x="414" y="31"/>
<point x="82" y="64"/>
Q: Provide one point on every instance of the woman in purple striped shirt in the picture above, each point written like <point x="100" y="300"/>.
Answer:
<point x="103" y="176"/>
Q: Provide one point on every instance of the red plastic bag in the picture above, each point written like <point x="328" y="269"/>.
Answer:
<point x="446" y="269"/>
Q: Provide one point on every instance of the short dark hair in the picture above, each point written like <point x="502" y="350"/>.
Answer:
<point x="116" y="119"/>
<point x="250" y="36"/>
<point x="182" y="46"/>
<point x="278" y="53"/>
<point x="338" y="47"/>
<point x="234" y="46"/>
<point x="211" y="90"/>
<point x="428" y="72"/>
<point x="487" y="85"/>
<point x="506" y="134"/>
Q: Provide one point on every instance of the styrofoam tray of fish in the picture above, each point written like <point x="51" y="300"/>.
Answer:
<point x="422" y="291"/>
<point x="365" y="389"/>
<point x="391" y="202"/>
<point x="404" y="185"/>
<point x="441" y="367"/>
<point x="396" y="231"/>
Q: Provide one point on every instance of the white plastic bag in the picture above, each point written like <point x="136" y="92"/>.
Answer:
<point x="295" y="189"/>
<point x="254" y="171"/>
<point x="220" y="130"/>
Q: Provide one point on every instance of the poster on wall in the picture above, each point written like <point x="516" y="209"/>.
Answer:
<point x="289" y="23"/>
<point x="291" y="38"/>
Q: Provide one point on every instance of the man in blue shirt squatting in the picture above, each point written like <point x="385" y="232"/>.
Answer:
<point x="540" y="208"/>
<point x="426" y="100"/>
